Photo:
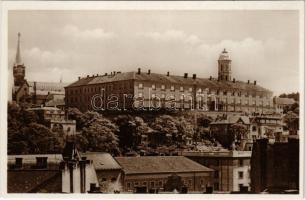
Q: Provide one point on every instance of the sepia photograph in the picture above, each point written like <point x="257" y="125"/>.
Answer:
<point x="155" y="101"/>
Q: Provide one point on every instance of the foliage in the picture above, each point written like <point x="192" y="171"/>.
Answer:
<point x="295" y="96"/>
<point x="98" y="134"/>
<point x="27" y="136"/>
<point x="174" y="182"/>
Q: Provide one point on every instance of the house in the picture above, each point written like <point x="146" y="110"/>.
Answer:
<point x="150" y="173"/>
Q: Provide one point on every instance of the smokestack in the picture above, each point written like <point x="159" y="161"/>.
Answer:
<point x="139" y="70"/>
<point x="167" y="74"/>
<point x="254" y="82"/>
<point x="148" y="72"/>
<point x="185" y="75"/>
<point x="35" y="92"/>
<point x="194" y="76"/>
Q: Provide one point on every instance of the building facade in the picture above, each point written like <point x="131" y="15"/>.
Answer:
<point x="232" y="168"/>
<point x="147" y="90"/>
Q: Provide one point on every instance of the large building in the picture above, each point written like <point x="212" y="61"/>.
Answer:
<point x="151" y="90"/>
<point x="152" y="173"/>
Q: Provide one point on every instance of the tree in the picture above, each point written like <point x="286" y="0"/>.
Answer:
<point x="99" y="136"/>
<point x="237" y="132"/>
<point x="26" y="135"/>
<point x="174" y="182"/>
<point x="166" y="129"/>
<point x="33" y="139"/>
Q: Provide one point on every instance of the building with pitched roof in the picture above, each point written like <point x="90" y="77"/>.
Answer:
<point x="151" y="90"/>
<point x="152" y="172"/>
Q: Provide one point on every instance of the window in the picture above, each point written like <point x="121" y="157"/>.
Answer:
<point x="163" y="96"/>
<point x="240" y="175"/>
<point x="144" y="183"/>
<point x="153" y="96"/>
<point x="140" y="85"/>
<point x="162" y="87"/>
<point x="152" y="184"/>
<point x="240" y="162"/>
<point x="136" y="183"/>
<point x="153" y="86"/>
<point x="172" y="88"/>
<point x="41" y="162"/>
<point x="190" y="89"/>
<point x="216" y="174"/>
<point x="181" y="89"/>
<point x="18" y="163"/>
<point x="128" y="185"/>
<point x="199" y="90"/>
<point x="254" y="128"/>
<point x="160" y="184"/>
<point x="140" y="95"/>
<point x="216" y="186"/>
<point x="190" y="182"/>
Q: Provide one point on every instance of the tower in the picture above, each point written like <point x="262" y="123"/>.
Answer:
<point x="224" y="66"/>
<point x="19" y="68"/>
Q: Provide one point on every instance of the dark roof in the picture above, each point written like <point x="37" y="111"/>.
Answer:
<point x="232" y="120"/>
<point x="159" y="164"/>
<point x="173" y="79"/>
<point x="23" y="181"/>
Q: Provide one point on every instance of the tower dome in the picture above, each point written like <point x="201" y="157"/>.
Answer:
<point x="224" y="66"/>
<point x="224" y="55"/>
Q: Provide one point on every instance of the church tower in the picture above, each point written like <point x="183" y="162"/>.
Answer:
<point x="224" y="66"/>
<point x="19" y="68"/>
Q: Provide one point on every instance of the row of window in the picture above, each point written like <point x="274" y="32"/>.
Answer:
<point x="200" y="90"/>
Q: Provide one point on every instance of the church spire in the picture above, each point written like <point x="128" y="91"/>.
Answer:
<point x="18" y="60"/>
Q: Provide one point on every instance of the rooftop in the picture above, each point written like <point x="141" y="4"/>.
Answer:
<point x="102" y="161"/>
<point x="159" y="164"/>
<point x="173" y="79"/>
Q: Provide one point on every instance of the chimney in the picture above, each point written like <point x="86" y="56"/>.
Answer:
<point x="87" y="76"/>
<point x="111" y="73"/>
<point x="114" y="72"/>
<point x="194" y="76"/>
<point x="96" y="74"/>
<point x="167" y="74"/>
<point x="118" y="72"/>
<point x="210" y="77"/>
<point x="106" y="74"/>
<point x="139" y="70"/>
<point x="254" y="82"/>
<point x="148" y="72"/>
<point x="79" y="78"/>
<point x="35" y="92"/>
<point x="248" y="81"/>
<point x="233" y="80"/>
<point x="185" y="75"/>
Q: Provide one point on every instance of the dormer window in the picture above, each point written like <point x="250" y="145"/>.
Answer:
<point x="18" y="163"/>
<point x="140" y="85"/>
<point x="41" y="162"/>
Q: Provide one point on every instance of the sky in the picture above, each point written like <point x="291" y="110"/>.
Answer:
<point x="263" y="45"/>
